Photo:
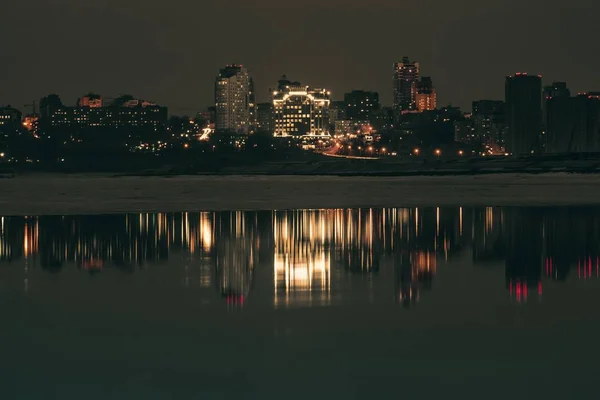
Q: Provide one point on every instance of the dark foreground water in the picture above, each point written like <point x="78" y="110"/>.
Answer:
<point x="371" y="303"/>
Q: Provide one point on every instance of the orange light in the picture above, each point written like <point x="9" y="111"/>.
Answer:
<point x="186" y="145"/>
<point x="438" y="152"/>
<point x="416" y="151"/>
<point x="460" y="152"/>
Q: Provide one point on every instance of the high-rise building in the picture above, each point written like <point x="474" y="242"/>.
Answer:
<point x="489" y="124"/>
<point x="406" y="74"/>
<point x="426" y="97"/>
<point x="252" y="108"/>
<point x="573" y="124"/>
<point x="556" y="90"/>
<point x="337" y="112"/>
<point x="523" y="98"/>
<point x="233" y="99"/>
<point x="361" y="104"/>
<point x="265" y="118"/>
<point x="301" y="111"/>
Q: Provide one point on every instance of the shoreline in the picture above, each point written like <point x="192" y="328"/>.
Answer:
<point x="58" y="194"/>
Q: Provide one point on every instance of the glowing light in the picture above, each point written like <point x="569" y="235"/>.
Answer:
<point x="186" y="145"/>
<point x="438" y="152"/>
<point x="416" y="151"/>
<point x="460" y="153"/>
<point x="2" y="155"/>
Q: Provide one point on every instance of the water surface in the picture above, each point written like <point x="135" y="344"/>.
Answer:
<point x="369" y="303"/>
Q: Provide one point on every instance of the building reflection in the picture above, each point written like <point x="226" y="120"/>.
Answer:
<point x="302" y="257"/>
<point x="316" y="257"/>
<point x="236" y="255"/>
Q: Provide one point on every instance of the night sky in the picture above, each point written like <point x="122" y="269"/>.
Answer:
<point x="171" y="51"/>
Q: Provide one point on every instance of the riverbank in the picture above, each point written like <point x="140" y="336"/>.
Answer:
<point x="52" y="194"/>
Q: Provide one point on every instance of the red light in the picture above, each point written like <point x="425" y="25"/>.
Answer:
<point x="539" y="288"/>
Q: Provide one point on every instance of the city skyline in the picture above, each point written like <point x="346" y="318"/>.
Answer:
<point x="168" y="68"/>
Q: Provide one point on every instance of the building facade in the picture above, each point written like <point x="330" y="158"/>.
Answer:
<point x="489" y="124"/>
<point x="425" y="95"/>
<point x="523" y="99"/>
<point x="554" y="91"/>
<point x="265" y="121"/>
<point x="464" y="132"/>
<point x="10" y="119"/>
<point x="406" y="75"/>
<point x="234" y="100"/>
<point x="573" y="124"/>
<point x="301" y="111"/>
<point x="125" y="113"/>
<point x="361" y="104"/>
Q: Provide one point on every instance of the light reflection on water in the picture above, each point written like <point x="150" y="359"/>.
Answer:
<point x="306" y="258"/>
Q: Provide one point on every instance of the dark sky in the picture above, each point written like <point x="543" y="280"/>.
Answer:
<point x="170" y="51"/>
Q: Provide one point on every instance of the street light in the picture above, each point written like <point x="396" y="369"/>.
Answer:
<point x="438" y="152"/>
<point x="416" y="151"/>
<point x="460" y="153"/>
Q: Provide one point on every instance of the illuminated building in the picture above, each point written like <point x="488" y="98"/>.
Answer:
<point x="406" y="74"/>
<point x="349" y="127"/>
<point x="343" y="127"/>
<point x="426" y="97"/>
<point x="573" y="124"/>
<point x="301" y="111"/>
<point x="10" y="119"/>
<point x="234" y="99"/>
<point x="264" y="118"/>
<point x="489" y="124"/>
<point x="464" y="131"/>
<point x="523" y="113"/>
<point x="125" y="113"/>
<point x="90" y="100"/>
<point x="360" y="105"/>
<point x="336" y="112"/>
